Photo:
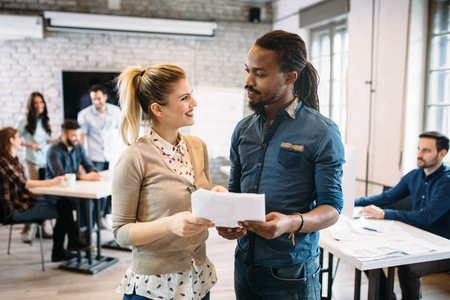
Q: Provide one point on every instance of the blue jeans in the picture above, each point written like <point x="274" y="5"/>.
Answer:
<point x="137" y="297"/>
<point x="43" y="209"/>
<point x="252" y="282"/>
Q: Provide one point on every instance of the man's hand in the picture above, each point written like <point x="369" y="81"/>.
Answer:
<point x="231" y="233"/>
<point x="372" y="211"/>
<point x="276" y="224"/>
<point x="92" y="176"/>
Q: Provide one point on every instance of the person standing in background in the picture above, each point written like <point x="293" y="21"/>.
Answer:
<point x="99" y="123"/>
<point x="35" y="131"/>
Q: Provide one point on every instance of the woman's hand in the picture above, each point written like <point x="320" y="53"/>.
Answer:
<point x="220" y="189"/>
<point x="184" y="224"/>
<point x="35" y="147"/>
<point x="58" y="180"/>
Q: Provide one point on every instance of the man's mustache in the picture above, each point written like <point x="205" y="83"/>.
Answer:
<point x="251" y="90"/>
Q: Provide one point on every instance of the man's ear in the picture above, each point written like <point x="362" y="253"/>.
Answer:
<point x="291" y="77"/>
<point x="156" y="109"/>
<point x="442" y="154"/>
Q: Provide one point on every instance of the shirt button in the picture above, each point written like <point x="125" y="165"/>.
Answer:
<point x="423" y="196"/>
<point x="255" y="186"/>
<point x="259" y="164"/>
<point x="426" y="183"/>
<point x="264" y="145"/>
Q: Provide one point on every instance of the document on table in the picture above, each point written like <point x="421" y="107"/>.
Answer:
<point x="226" y="209"/>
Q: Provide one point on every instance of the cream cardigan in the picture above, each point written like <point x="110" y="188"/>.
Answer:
<point x="145" y="189"/>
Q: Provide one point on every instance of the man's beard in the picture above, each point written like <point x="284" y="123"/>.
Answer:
<point x="69" y="142"/>
<point x="259" y="106"/>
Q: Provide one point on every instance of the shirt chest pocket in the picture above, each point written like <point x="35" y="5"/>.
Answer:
<point x="290" y="156"/>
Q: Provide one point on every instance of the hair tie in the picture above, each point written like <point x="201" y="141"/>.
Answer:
<point x="142" y="73"/>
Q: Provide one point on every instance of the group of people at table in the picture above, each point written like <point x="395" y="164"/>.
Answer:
<point x="286" y="150"/>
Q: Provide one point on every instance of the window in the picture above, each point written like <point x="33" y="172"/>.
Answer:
<point x="437" y="111"/>
<point x="329" y="55"/>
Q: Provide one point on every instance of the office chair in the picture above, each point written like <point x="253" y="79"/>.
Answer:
<point x="402" y="204"/>
<point x="38" y="222"/>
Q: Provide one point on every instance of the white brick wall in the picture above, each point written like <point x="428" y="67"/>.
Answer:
<point x="35" y="64"/>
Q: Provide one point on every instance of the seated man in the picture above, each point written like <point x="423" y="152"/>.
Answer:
<point x="66" y="156"/>
<point x="429" y="188"/>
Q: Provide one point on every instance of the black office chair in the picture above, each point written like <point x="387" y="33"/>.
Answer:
<point x="402" y="204"/>
<point x="38" y="223"/>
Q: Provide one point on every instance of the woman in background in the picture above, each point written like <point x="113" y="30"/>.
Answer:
<point x="152" y="185"/>
<point x="35" y="131"/>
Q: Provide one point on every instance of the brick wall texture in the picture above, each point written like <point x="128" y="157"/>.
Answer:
<point x="32" y="64"/>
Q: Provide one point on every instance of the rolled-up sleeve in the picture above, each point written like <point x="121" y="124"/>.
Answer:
<point x="329" y="158"/>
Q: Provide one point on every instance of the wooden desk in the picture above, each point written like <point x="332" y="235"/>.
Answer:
<point x="85" y="190"/>
<point x="328" y="243"/>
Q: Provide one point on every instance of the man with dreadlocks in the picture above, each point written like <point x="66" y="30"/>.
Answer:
<point x="291" y="153"/>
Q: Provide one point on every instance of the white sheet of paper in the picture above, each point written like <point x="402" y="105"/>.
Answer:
<point x="226" y="209"/>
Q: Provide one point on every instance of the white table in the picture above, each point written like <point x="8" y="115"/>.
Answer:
<point x="85" y="190"/>
<point x="328" y="243"/>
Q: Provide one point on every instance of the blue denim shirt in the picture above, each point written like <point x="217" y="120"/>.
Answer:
<point x="61" y="161"/>
<point x="297" y="164"/>
<point x="430" y="199"/>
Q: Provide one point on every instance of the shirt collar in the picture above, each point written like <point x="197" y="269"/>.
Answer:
<point x="434" y="174"/>
<point x="165" y="146"/>
<point x="293" y="108"/>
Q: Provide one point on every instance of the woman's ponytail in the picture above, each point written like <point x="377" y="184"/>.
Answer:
<point x="128" y="84"/>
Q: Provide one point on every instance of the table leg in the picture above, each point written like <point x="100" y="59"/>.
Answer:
<point x="374" y="284"/>
<point x="357" y="291"/>
<point x="390" y="283"/>
<point x="330" y="275"/>
<point x="87" y="264"/>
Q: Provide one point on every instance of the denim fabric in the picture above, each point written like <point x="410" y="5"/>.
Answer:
<point x="430" y="199"/>
<point x="252" y="282"/>
<point x="297" y="164"/>
<point x="43" y="209"/>
<point x="60" y="161"/>
<point x="137" y="297"/>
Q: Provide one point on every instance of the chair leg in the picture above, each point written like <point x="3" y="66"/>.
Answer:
<point x="9" y="241"/>
<point x="42" y="247"/>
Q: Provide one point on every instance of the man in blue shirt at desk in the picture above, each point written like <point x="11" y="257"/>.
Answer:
<point x="429" y="188"/>
<point x="291" y="153"/>
<point x="66" y="156"/>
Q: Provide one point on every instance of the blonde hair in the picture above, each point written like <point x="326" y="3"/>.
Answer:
<point x="138" y="89"/>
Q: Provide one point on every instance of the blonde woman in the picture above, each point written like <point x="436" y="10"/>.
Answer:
<point x="152" y="186"/>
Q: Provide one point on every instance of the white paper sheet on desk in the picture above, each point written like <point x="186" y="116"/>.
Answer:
<point x="226" y="209"/>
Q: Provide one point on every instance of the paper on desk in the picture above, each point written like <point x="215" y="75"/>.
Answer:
<point x="226" y="209"/>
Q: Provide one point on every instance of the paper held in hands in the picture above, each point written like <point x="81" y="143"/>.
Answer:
<point x="226" y="209"/>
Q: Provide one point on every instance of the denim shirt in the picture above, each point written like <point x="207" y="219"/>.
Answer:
<point x="61" y="161"/>
<point x="430" y="199"/>
<point x="297" y="164"/>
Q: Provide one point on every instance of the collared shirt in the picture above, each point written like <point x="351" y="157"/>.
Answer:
<point x="61" y="161"/>
<point x="40" y="137"/>
<point x="430" y="199"/>
<point x="176" y="157"/>
<point x="99" y="130"/>
<point x="297" y="164"/>
<point x="13" y="194"/>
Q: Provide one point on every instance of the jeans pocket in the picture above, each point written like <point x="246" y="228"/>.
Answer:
<point x="289" y="158"/>
<point x="295" y="273"/>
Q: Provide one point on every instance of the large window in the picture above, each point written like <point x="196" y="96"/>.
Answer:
<point x="329" y="55"/>
<point x="438" y="89"/>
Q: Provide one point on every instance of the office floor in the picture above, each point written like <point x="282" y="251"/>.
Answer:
<point x="21" y="276"/>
